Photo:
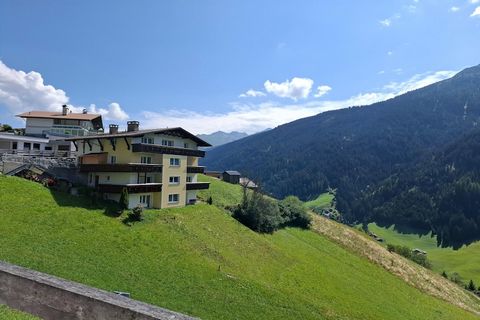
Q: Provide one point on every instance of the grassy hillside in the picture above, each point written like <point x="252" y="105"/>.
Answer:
<point x="200" y="261"/>
<point x="465" y="261"/>
<point x="223" y="194"/>
<point x="9" y="314"/>
<point x="322" y="201"/>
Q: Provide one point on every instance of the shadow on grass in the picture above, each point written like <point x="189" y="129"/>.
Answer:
<point x="87" y="199"/>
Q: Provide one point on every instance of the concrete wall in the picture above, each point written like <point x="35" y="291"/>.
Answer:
<point x="53" y="298"/>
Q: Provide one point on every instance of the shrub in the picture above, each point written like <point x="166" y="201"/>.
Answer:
<point x="136" y="213"/>
<point x="210" y="200"/>
<point x="406" y="252"/>
<point x="294" y="213"/>
<point x="445" y="275"/>
<point x="124" y="199"/>
<point x="258" y="213"/>
<point x="471" y="286"/>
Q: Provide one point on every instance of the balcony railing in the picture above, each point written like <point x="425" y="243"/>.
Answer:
<point x="151" y="148"/>
<point x="121" y="167"/>
<point x="195" y="169"/>
<point x="131" y="188"/>
<point x="197" y="185"/>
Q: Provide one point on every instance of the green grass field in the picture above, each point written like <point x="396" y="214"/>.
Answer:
<point x="198" y="260"/>
<point x="9" y="314"/>
<point x="465" y="261"/>
<point x="223" y="194"/>
<point x="322" y="201"/>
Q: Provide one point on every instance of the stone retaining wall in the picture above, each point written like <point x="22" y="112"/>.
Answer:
<point x="50" y="297"/>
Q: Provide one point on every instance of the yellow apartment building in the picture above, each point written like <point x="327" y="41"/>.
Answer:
<point x="158" y="167"/>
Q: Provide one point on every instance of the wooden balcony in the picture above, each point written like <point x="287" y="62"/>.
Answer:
<point x="152" y="148"/>
<point x="198" y="185"/>
<point x="121" y="167"/>
<point x="131" y="188"/>
<point x="195" y="169"/>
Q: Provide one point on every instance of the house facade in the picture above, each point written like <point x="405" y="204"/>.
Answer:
<point x="157" y="167"/>
<point x="63" y="124"/>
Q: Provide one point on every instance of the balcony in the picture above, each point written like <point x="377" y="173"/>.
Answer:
<point x="195" y="169"/>
<point x="131" y="188"/>
<point x="121" y="167"/>
<point x="197" y="185"/>
<point x="152" y="148"/>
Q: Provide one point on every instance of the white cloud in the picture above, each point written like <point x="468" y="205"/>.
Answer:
<point x="113" y="112"/>
<point x="252" y="93"/>
<point x="322" y="90"/>
<point x="390" y="53"/>
<point x="454" y="9"/>
<point x="21" y="91"/>
<point x="474" y="1"/>
<point x="386" y="22"/>
<point x="294" y="89"/>
<point x="253" y="118"/>
<point x="476" y="12"/>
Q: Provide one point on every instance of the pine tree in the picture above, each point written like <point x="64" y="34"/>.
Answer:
<point x="124" y="199"/>
<point x="471" y="286"/>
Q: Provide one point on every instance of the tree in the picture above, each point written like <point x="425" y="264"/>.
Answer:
<point x="124" y="199"/>
<point x="445" y="275"/>
<point x="258" y="213"/>
<point x="471" y="286"/>
<point x="6" y="127"/>
<point x="294" y="213"/>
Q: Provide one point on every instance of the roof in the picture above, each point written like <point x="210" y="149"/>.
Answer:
<point x="232" y="173"/>
<point x="180" y="132"/>
<point x="59" y="115"/>
<point x="16" y="137"/>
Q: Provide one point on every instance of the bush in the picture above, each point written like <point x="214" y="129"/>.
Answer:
<point x="209" y="200"/>
<point x="406" y="252"/>
<point x="136" y="214"/>
<point x="258" y="213"/>
<point x="294" y="213"/>
<point x="471" y="286"/>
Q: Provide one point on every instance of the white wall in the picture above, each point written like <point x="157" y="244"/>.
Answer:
<point x="37" y="126"/>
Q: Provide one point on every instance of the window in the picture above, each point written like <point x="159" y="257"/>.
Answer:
<point x="26" y="146"/>
<point x="14" y="145"/>
<point x="175" y="162"/>
<point x="147" y="160"/>
<point x="48" y="148"/>
<point x="64" y="148"/>
<point x="108" y="178"/>
<point x="148" y="180"/>
<point x="36" y="146"/>
<point x="91" y="178"/>
<point x="172" y="198"/>
<point x="185" y="145"/>
<point x="147" y="140"/>
<point x="145" y="199"/>
<point x="174" y="180"/>
<point x="168" y="143"/>
<point x="113" y="159"/>
<point x="189" y="179"/>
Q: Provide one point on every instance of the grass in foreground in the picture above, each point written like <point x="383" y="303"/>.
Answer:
<point x="200" y="261"/>
<point x="9" y="314"/>
<point x="465" y="261"/>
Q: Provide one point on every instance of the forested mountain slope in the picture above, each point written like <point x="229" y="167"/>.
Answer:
<point x="440" y="194"/>
<point x="353" y="148"/>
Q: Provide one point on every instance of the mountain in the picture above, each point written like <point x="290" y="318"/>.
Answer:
<point x="441" y="194"/>
<point x="355" y="148"/>
<point x="218" y="138"/>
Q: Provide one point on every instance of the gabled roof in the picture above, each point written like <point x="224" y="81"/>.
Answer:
<point x="232" y="173"/>
<point x="59" y="115"/>
<point x="179" y="132"/>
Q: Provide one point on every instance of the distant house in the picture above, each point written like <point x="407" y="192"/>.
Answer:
<point x="248" y="183"/>
<point x="231" y="176"/>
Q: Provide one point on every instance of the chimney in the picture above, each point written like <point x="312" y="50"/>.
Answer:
<point x="84" y="111"/>
<point x="64" y="109"/>
<point x="113" y="128"/>
<point x="132" y="126"/>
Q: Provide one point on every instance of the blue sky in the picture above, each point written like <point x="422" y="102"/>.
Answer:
<point x="226" y="65"/>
